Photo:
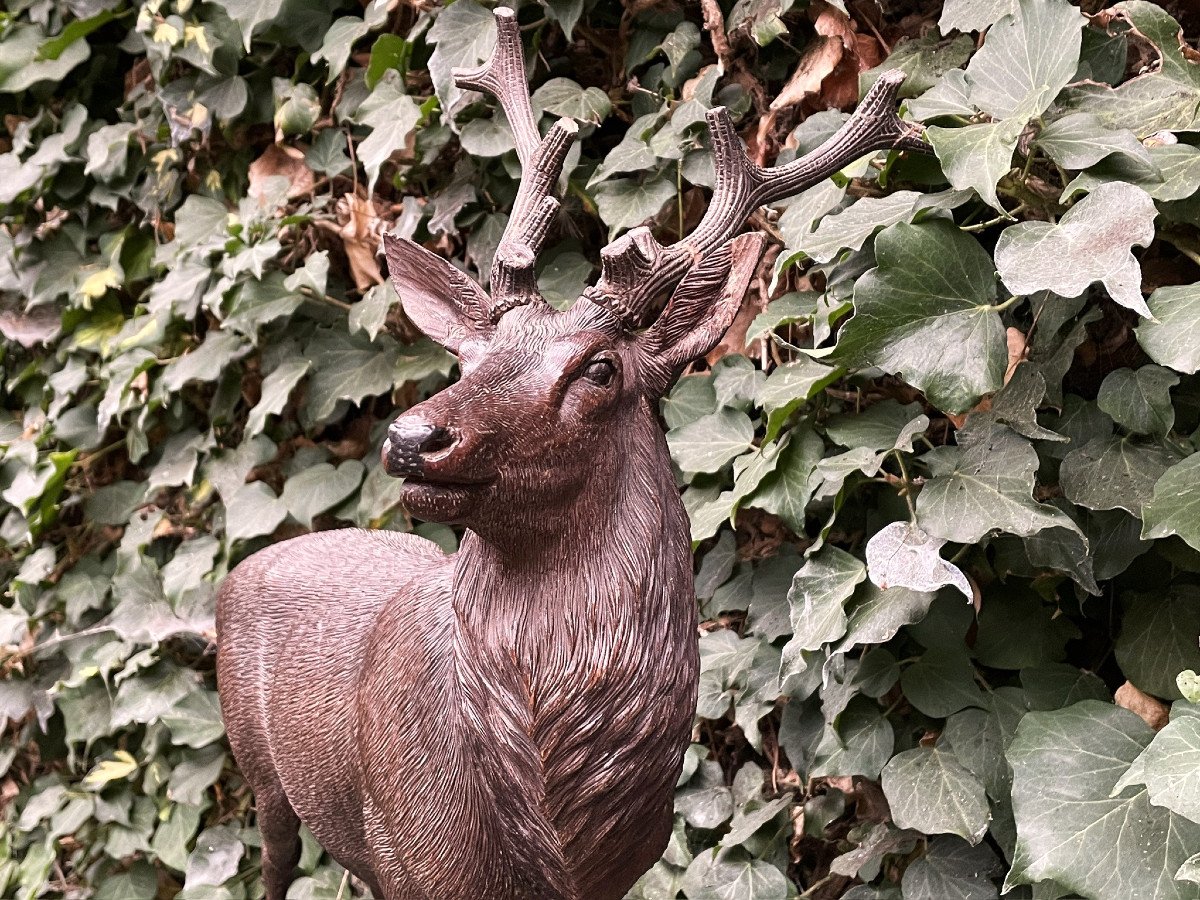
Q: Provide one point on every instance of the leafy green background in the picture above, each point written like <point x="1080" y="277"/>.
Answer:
<point x="942" y="473"/>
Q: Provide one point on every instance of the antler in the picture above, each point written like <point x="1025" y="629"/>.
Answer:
<point x="503" y="76"/>
<point x="636" y="268"/>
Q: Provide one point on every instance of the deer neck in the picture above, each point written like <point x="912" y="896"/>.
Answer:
<point x="619" y="548"/>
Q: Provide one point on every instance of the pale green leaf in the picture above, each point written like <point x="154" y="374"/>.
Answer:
<point x="989" y="487"/>
<point x="902" y="554"/>
<point x="928" y="789"/>
<point x="392" y="115"/>
<point x="1165" y="98"/>
<point x="1069" y="826"/>
<point x="566" y="98"/>
<point x="1080" y="140"/>
<point x="1140" y="400"/>
<point x="973" y="15"/>
<point x="1172" y="337"/>
<point x="251" y="15"/>
<point x="1175" y="506"/>
<point x="1113" y="473"/>
<point x="711" y="441"/>
<point x="976" y="156"/>
<point x="273" y="397"/>
<point x="626" y="202"/>
<point x="817" y="595"/>
<point x="253" y="511"/>
<point x="952" y="869"/>
<point x="1026" y="59"/>
<point x="850" y="228"/>
<point x="1170" y="768"/>
<point x="1091" y="243"/>
<point x="320" y="488"/>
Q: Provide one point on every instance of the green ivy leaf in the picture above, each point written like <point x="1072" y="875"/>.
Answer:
<point x="626" y="202"/>
<point x="976" y="156"/>
<point x="925" y="313"/>
<point x="711" y="441"/>
<point x="953" y="870"/>
<point x="1113" y="473"/>
<point x="1160" y="637"/>
<point x="215" y="859"/>
<point x="1140" y="400"/>
<point x="1091" y="243"/>
<point x="973" y="15"/>
<point x="1172" y="337"/>
<point x="850" y="228"/>
<point x="1166" y="98"/>
<point x="320" y="488"/>
<point x="392" y="115"/>
<point x="931" y="791"/>
<point x="566" y="98"/>
<point x="875" y="615"/>
<point x="251" y="15"/>
<point x="1170" y="768"/>
<point x="346" y="367"/>
<point x="253" y="511"/>
<point x="941" y="683"/>
<point x="733" y="875"/>
<point x="1080" y="140"/>
<point x="706" y="801"/>
<point x="1073" y="826"/>
<point x="988" y="485"/>
<point x="1175" y="506"/>
<point x="20" y="66"/>
<point x="276" y="389"/>
<point x="1026" y="60"/>
<point x="816" y="597"/>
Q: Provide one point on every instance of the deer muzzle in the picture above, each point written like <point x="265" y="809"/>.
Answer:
<point x="409" y="442"/>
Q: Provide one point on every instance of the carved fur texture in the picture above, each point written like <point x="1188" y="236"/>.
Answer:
<point x="505" y="722"/>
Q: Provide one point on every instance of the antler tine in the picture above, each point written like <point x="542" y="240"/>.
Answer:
<point x="503" y="76"/>
<point x="636" y="268"/>
<point x="542" y="159"/>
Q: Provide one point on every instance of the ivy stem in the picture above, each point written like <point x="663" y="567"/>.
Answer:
<point x="817" y="885"/>
<point x="1181" y="245"/>
<point x="86" y="461"/>
<point x="1010" y="302"/>
<point x="325" y="298"/>
<point x="983" y="226"/>
<point x="906" y="491"/>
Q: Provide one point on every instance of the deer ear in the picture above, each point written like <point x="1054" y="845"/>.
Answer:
<point x="701" y="309"/>
<point x="442" y="301"/>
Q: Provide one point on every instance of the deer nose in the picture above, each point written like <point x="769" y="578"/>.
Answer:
<point x="418" y="436"/>
<point x="409" y="439"/>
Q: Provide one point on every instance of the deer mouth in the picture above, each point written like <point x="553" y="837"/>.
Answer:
<point x="442" y="482"/>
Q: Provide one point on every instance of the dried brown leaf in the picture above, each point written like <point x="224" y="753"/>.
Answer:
<point x="360" y="228"/>
<point x="1017" y="350"/>
<point x="279" y="160"/>
<point x="1151" y="711"/>
<point x="820" y="58"/>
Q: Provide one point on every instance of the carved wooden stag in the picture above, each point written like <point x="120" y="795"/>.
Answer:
<point x="507" y="722"/>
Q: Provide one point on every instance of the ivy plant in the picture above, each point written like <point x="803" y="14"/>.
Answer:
<point x="943" y="473"/>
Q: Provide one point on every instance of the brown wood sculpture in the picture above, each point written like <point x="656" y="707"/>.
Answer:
<point x="508" y="722"/>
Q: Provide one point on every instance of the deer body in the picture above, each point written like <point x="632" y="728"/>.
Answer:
<point x="508" y="722"/>
<point x="542" y="767"/>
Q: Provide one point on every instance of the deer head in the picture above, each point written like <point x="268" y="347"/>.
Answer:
<point x="548" y="400"/>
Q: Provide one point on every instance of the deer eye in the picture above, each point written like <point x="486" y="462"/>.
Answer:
<point x="599" y="372"/>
